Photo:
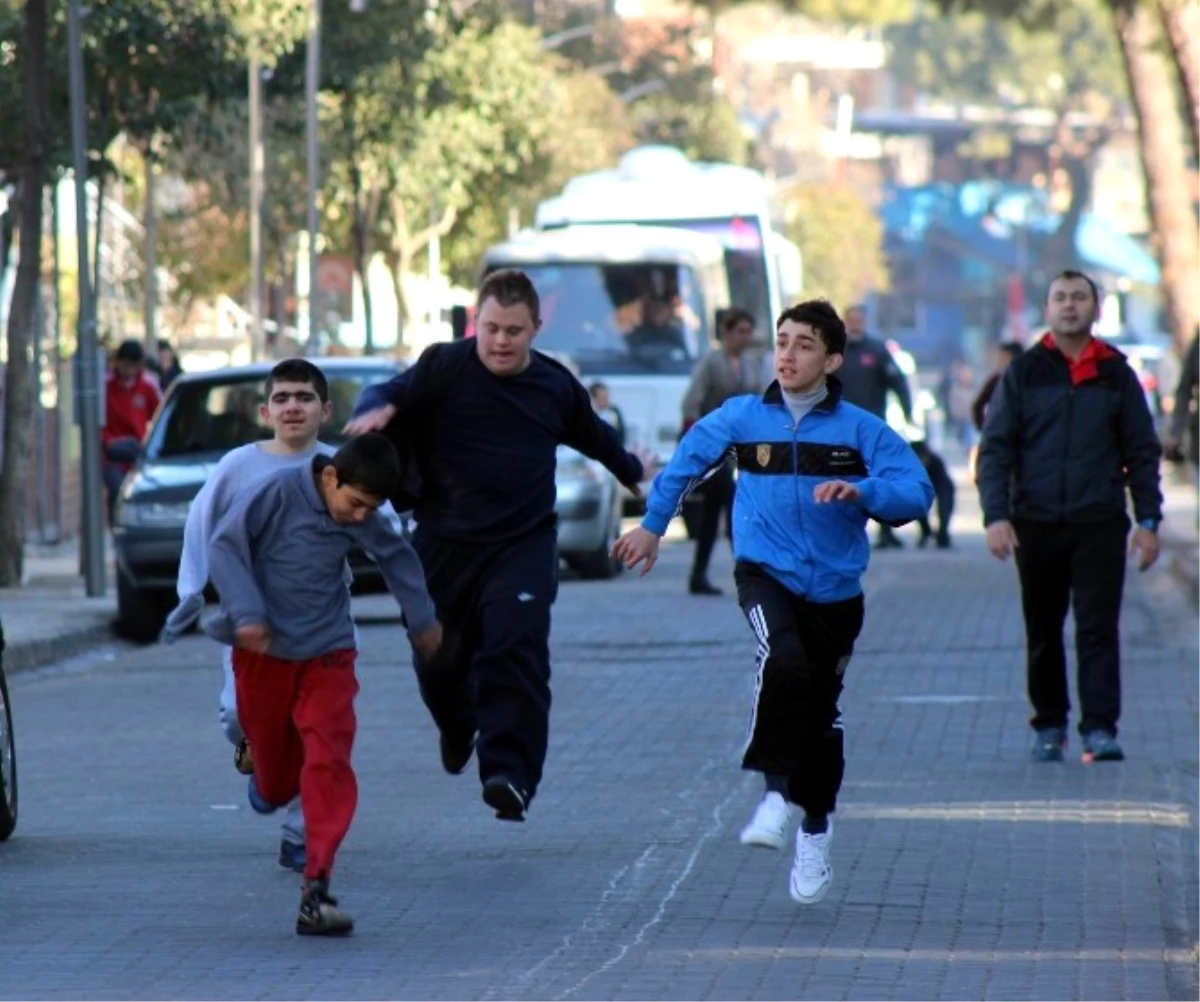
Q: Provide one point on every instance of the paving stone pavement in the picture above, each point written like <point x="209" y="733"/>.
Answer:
<point x="962" y="871"/>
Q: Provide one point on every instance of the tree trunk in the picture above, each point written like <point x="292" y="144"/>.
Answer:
<point x="18" y="389"/>
<point x="1172" y="218"/>
<point x="1181" y="22"/>
<point x="406" y="245"/>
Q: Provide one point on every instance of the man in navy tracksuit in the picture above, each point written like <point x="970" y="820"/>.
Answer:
<point x="482" y="419"/>
<point x="1067" y="433"/>
<point x="812" y="469"/>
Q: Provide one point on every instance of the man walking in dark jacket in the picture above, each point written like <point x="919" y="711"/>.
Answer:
<point x="1067" y="432"/>
<point x="868" y="375"/>
<point x="482" y="419"/>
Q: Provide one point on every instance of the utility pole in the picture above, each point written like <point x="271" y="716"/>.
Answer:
<point x="151" y="251"/>
<point x="312" y="86"/>
<point x="257" y="342"/>
<point x="87" y="355"/>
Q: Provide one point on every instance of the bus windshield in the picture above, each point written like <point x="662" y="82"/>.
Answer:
<point x="745" y="262"/>
<point x="621" y="319"/>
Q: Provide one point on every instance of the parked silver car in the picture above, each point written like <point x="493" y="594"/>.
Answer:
<point x="589" y="514"/>
<point x="204" y="416"/>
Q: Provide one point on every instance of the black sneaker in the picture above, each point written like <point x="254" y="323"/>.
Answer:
<point x="456" y="751"/>
<point x="292" y="855"/>
<point x="243" y="761"/>
<point x="320" y="914"/>
<point x="506" y="798"/>
<point x="1100" y="746"/>
<point x="1049" y="744"/>
<point x="702" y="586"/>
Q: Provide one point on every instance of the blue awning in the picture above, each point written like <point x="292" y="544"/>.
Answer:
<point x="1102" y="246"/>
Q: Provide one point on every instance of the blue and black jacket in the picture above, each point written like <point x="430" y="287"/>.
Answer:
<point x="816" y="550"/>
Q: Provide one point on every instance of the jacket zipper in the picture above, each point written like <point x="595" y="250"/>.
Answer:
<point x="1066" y="450"/>
<point x="796" y="488"/>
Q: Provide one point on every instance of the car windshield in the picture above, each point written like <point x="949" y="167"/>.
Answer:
<point x="745" y="261"/>
<point x="622" y="318"/>
<point x="216" y="415"/>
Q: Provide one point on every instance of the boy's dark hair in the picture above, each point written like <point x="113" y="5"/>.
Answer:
<point x="820" y="315"/>
<point x="368" y="463"/>
<point x="510" y="287"/>
<point x="1013" y="349"/>
<point x="131" y="351"/>
<point x="733" y="316"/>
<point x="1073" y="274"/>
<point x="596" y="387"/>
<point x="298" y="370"/>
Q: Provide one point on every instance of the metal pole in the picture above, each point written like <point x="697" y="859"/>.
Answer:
<point x="87" y="351"/>
<point x="59" y="406"/>
<point x="257" y="345"/>
<point x="312" y="84"/>
<point x="151" y="255"/>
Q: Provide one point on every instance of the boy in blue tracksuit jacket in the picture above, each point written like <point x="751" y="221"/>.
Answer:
<point x="812" y="469"/>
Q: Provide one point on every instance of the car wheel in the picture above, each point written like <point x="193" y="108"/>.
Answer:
<point x="141" y="612"/>
<point x="8" y="763"/>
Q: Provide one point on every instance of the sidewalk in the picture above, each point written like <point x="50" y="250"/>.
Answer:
<point x="51" y="617"/>
<point x="1181" y="548"/>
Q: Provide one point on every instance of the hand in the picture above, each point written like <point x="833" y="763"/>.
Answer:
<point x="1001" y="539"/>
<point x="373" y="420"/>
<point x="835" y="490"/>
<point x="636" y="546"/>
<point x="1172" y="451"/>
<point x="1145" y="544"/>
<point x="428" y="642"/>
<point x="253" y="637"/>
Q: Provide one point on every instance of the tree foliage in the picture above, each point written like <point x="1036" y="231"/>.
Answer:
<point x="841" y="239"/>
<point x="976" y="58"/>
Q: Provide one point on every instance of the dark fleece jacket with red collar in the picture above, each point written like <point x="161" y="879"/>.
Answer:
<point x="1064" y="439"/>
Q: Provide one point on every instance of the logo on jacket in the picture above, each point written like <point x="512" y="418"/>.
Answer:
<point x="138" y="401"/>
<point x="763" y="455"/>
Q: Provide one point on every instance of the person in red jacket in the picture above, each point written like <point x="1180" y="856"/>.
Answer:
<point x="131" y="397"/>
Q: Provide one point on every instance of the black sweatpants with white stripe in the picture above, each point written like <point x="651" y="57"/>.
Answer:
<point x="803" y="649"/>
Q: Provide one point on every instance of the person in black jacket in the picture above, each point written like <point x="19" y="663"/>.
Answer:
<point x="482" y="419"/>
<point x="868" y="374"/>
<point x="1067" y="433"/>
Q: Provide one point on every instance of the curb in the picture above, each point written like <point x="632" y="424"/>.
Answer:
<point x="28" y="655"/>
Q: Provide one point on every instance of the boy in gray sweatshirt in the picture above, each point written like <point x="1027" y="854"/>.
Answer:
<point x="277" y="561"/>
<point x="296" y="404"/>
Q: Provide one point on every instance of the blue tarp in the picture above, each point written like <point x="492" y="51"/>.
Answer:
<point x="984" y="220"/>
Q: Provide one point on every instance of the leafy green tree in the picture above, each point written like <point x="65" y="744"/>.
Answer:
<point x="18" y="391"/>
<point x="1074" y="70"/>
<point x="841" y="239"/>
<point x="1137" y="33"/>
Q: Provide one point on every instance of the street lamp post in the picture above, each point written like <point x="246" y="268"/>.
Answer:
<point x="312" y="83"/>
<point x="87" y="355"/>
<point x="257" y="343"/>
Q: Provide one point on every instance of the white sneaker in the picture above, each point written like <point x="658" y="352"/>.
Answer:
<point x="769" y="826"/>
<point x="811" y="872"/>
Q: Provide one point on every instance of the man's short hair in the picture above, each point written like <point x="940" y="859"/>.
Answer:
<point x="820" y="315"/>
<point x="1072" y="274"/>
<point x="368" y="463"/>
<point x="510" y="287"/>
<point x="734" y="316"/>
<point x="298" y="370"/>
<point x="596" y="387"/>
<point x="131" y="351"/>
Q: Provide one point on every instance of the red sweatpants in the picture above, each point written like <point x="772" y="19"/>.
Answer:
<point x="299" y="719"/>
